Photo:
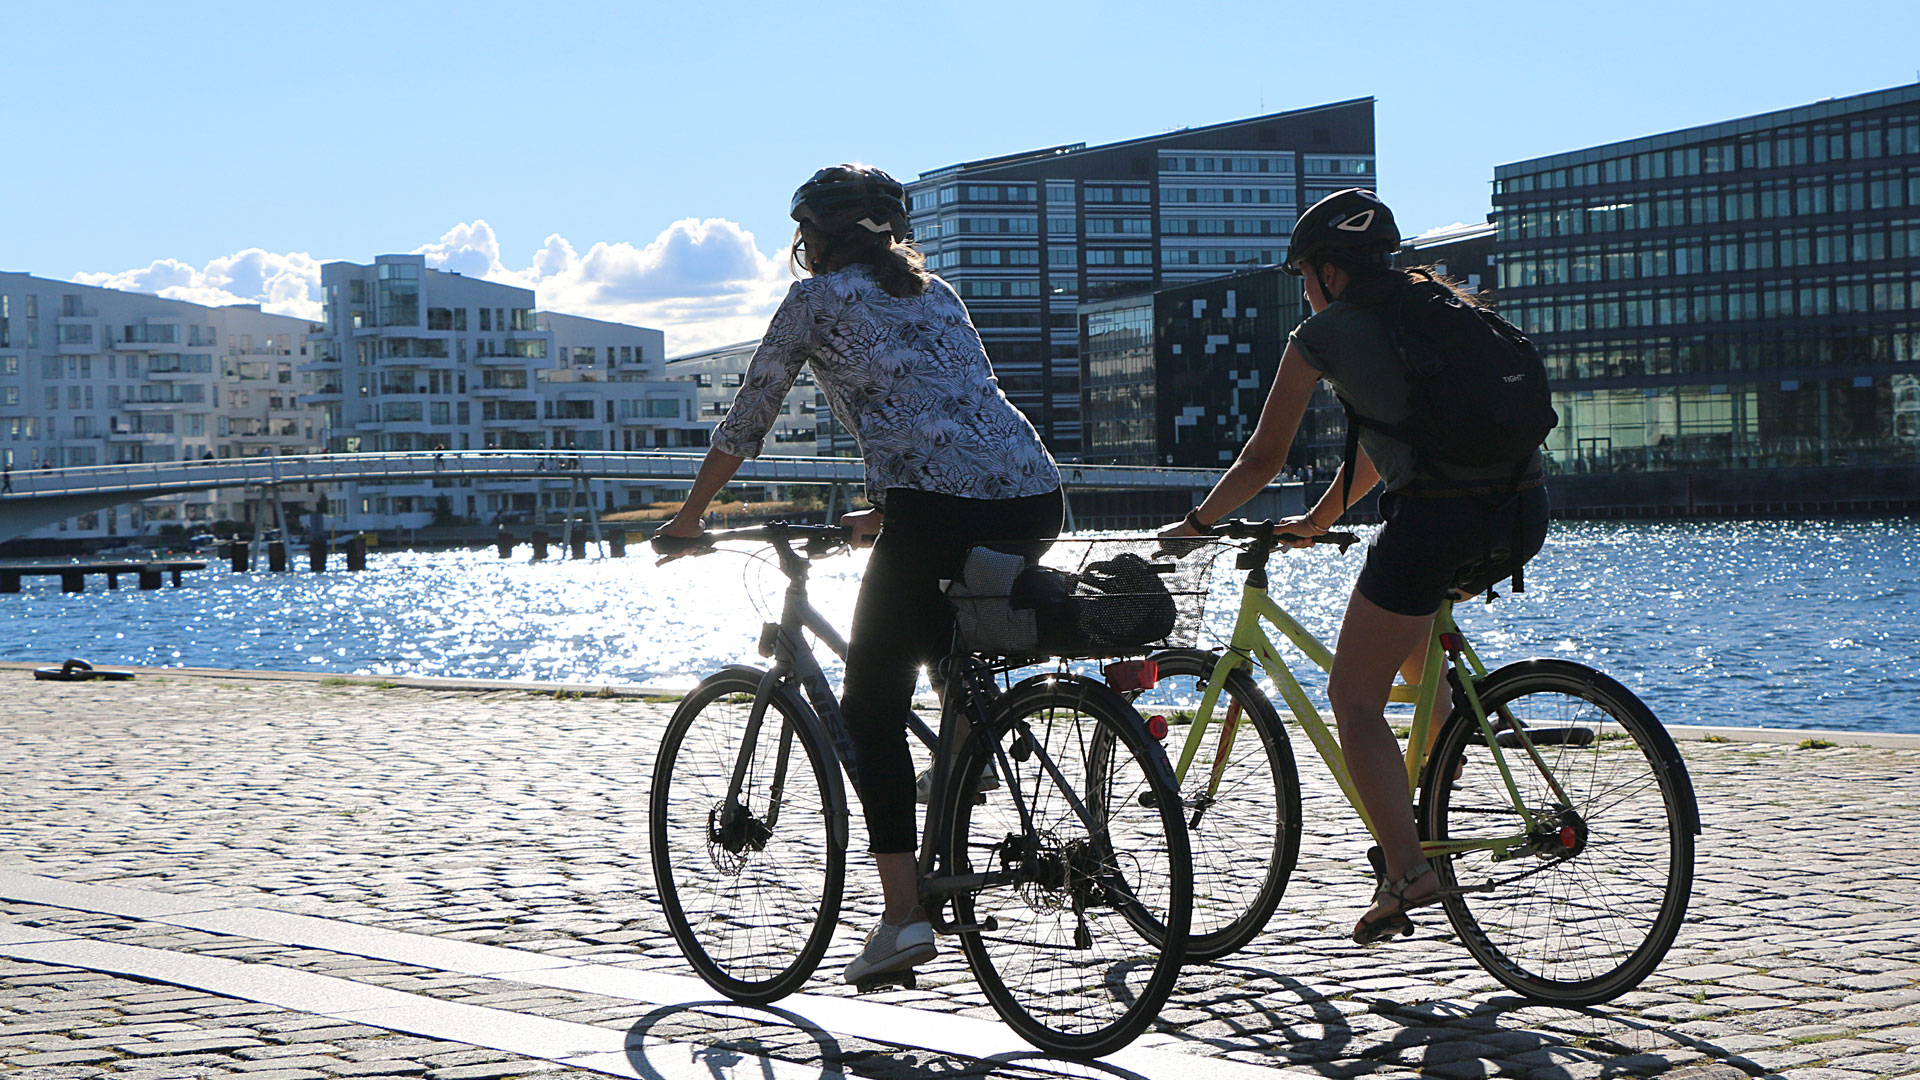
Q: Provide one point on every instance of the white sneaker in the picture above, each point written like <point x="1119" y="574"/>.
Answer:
<point x="923" y="784"/>
<point x="891" y="949"/>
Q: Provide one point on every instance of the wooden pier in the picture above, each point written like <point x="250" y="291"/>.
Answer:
<point x="73" y="576"/>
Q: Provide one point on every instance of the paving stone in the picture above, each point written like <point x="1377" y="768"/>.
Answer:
<point x="507" y="819"/>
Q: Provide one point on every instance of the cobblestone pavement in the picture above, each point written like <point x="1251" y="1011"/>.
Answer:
<point x="517" y="819"/>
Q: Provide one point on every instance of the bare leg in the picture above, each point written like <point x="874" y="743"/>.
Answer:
<point x="900" y="885"/>
<point x="1374" y="643"/>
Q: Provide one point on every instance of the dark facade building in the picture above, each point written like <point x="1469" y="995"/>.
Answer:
<point x="1461" y="252"/>
<point x="1029" y="237"/>
<point x="1738" y="296"/>
<point x="1178" y="376"/>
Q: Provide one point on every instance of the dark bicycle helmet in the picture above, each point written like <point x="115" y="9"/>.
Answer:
<point x="842" y="198"/>
<point x="1352" y="221"/>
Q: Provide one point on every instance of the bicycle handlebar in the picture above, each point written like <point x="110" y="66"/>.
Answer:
<point x="819" y="538"/>
<point x="1244" y="529"/>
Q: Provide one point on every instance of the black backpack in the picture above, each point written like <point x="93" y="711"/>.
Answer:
<point x="1477" y="391"/>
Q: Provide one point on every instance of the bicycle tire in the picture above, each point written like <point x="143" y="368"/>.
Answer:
<point x="752" y="913"/>
<point x="1245" y="838"/>
<point x="1589" y="908"/>
<point x="1065" y="967"/>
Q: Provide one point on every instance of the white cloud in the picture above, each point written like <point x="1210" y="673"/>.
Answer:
<point x="286" y="284"/>
<point x="704" y="282"/>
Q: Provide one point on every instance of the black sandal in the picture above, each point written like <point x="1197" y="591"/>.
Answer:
<point x="1386" y="926"/>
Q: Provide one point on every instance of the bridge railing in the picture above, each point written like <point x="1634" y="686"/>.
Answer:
<point x="413" y="466"/>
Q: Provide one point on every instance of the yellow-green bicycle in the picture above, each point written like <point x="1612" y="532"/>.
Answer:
<point x="1550" y="794"/>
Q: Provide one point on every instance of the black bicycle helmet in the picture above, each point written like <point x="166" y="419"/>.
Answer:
<point x="842" y="198"/>
<point x="1352" y="221"/>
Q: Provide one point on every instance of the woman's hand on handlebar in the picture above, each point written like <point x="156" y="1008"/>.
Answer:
<point x="862" y="526"/>
<point x="678" y="538"/>
<point x="1298" y="531"/>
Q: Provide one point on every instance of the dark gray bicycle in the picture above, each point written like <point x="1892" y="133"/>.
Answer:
<point x="1045" y="878"/>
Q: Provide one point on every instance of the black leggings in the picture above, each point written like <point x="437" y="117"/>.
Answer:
<point x="903" y="621"/>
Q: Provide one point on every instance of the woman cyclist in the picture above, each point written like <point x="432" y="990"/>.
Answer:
<point x="1452" y="529"/>
<point x="950" y="463"/>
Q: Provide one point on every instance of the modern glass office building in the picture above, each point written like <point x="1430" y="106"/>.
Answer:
<point x="1178" y="376"/>
<point x="1741" y="295"/>
<point x="1028" y="237"/>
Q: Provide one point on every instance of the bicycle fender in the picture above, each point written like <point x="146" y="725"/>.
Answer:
<point x="1668" y="750"/>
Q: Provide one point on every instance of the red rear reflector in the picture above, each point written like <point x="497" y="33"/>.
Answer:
<point x="1128" y="676"/>
<point x="1568" y="838"/>
<point x="1157" y="727"/>
<point x="1452" y="642"/>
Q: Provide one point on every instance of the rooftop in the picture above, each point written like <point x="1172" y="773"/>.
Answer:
<point x="1027" y="156"/>
<point x="1820" y="110"/>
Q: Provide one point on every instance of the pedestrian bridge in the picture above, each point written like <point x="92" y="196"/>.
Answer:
<point x="41" y="497"/>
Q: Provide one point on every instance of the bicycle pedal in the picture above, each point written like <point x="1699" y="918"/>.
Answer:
<point x="985" y="926"/>
<point x="902" y="979"/>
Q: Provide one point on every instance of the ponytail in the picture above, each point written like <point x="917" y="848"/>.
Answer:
<point x="898" y="266"/>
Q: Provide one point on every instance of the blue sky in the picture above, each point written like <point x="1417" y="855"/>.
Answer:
<point x="634" y="160"/>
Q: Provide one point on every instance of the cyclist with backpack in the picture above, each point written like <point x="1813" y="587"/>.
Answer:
<point x="950" y="463"/>
<point x="1447" y="406"/>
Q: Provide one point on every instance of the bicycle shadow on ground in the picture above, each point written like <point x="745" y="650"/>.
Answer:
<point x="725" y="1036"/>
<point x="1290" y="1022"/>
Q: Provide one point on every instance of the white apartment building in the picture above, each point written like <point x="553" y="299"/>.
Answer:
<point x="717" y="375"/>
<point x="805" y="424"/>
<point x="93" y="376"/>
<point x="412" y="359"/>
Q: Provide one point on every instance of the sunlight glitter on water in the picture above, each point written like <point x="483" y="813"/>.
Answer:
<point x="1783" y="624"/>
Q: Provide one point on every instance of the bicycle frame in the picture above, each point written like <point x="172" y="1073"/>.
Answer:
<point x="1250" y="643"/>
<point x="794" y="662"/>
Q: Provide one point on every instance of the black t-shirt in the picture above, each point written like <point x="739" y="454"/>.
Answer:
<point x="1352" y="347"/>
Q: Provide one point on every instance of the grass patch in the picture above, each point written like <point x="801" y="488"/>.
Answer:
<point x="1816" y="744"/>
<point x="377" y="684"/>
<point x="1711" y="737"/>
<point x="1803" y="1040"/>
<point x="605" y="693"/>
<point x="661" y="699"/>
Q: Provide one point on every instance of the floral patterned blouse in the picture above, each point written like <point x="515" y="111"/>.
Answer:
<point x="908" y="376"/>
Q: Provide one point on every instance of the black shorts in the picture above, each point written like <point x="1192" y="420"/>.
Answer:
<point x="1430" y="546"/>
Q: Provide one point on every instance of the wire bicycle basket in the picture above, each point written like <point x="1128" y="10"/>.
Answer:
<point x="1090" y="598"/>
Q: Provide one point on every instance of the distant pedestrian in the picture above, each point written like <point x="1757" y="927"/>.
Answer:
<point x="6" y="478"/>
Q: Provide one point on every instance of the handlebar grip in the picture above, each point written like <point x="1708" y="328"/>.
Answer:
<point x="663" y="544"/>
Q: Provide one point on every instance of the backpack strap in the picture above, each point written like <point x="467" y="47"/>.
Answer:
<point x="1354" y="420"/>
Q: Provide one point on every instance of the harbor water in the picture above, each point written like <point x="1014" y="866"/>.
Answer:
<point x="1795" y="624"/>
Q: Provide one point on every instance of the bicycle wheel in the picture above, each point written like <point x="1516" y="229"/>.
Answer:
<point x="751" y="886"/>
<point x="1586" y="906"/>
<point x="1242" y="800"/>
<point x="1062" y="963"/>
